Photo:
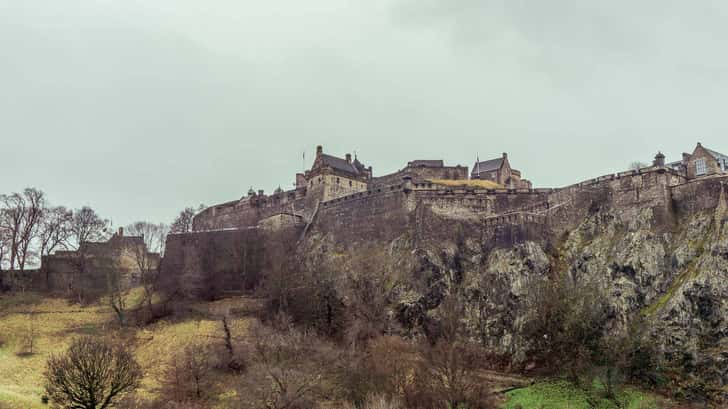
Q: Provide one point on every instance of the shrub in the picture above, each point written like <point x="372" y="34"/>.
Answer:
<point x="286" y="369"/>
<point x="566" y="325"/>
<point x="447" y="376"/>
<point x="384" y="367"/>
<point x="186" y="377"/>
<point x="92" y="374"/>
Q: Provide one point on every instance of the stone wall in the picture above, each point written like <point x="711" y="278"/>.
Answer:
<point x="698" y="194"/>
<point x="212" y="263"/>
<point x="250" y="210"/>
<point x="495" y="218"/>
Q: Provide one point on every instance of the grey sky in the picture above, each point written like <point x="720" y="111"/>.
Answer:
<point x="141" y="107"/>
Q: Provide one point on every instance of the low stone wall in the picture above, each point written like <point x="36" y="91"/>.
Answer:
<point x="14" y="280"/>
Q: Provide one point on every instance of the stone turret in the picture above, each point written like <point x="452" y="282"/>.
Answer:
<point x="407" y="183"/>
<point x="659" y="160"/>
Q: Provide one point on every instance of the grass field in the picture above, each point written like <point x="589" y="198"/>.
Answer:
<point x="56" y="322"/>
<point x="563" y="395"/>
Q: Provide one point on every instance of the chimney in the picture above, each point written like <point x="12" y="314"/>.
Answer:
<point x="260" y="192"/>
<point x="659" y="159"/>
<point x="121" y="232"/>
<point x="505" y="155"/>
<point x="319" y="150"/>
<point x="348" y="158"/>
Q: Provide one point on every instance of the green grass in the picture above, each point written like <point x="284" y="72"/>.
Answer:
<point x="564" y="395"/>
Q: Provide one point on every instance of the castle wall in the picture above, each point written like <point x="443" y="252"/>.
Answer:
<point x="249" y="211"/>
<point x="425" y="214"/>
<point x="212" y="263"/>
<point x="378" y="214"/>
<point x="698" y="194"/>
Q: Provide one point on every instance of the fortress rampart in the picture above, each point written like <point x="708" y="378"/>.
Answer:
<point x="418" y="210"/>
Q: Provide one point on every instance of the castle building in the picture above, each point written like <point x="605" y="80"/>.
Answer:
<point x="124" y="255"/>
<point x="499" y="170"/>
<point x="702" y="162"/>
<point x="331" y="177"/>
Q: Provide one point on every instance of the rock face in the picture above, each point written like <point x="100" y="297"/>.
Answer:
<point x="673" y="271"/>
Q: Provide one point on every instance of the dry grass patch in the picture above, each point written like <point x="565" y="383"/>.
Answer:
<point x="55" y="323"/>
<point x="482" y="184"/>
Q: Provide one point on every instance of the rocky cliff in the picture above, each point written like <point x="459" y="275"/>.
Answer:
<point x="668" y="266"/>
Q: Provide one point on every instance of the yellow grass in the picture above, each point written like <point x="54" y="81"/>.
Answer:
<point x="57" y="322"/>
<point x="483" y="184"/>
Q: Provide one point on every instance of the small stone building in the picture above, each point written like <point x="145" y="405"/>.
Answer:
<point x="702" y="162"/>
<point x="89" y="266"/>
<point x="499" y="170"/>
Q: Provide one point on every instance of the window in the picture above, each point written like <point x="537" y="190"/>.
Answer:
<point x="700" y="167"/>
<point x="350" y="183"/>
<point x="337" y="181"/>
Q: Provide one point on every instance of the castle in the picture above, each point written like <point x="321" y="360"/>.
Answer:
<point x="340" y="198"/>
<point x="332" y="179"/>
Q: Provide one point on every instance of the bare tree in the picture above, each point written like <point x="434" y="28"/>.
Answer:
<point x="55" y="229"/>
<point x="186" y="376"/>
<point x="115" y="289"/>
<point x="147" y="257"/>
<point x="20" y="216"/>
<point x="154" y="234"/>
<point x="4" y="246"/>
<point x="636" y="165"/>
<point x="286" y="370"/>
<point x="29" y="335"/>
<point x="566" y="324"/>
<point x="88" y="226"/>
<point x="183" y="222"/>
<point x="92" y="374"/>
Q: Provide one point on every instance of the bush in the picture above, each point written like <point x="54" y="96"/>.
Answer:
<point x="91" y="374"/>
<point x="447" y="377"/>
<point x="286" y="369"/>
<point x="384" y="367"/>
<point x="186" y="377"/>
<point x="566" y="325"/>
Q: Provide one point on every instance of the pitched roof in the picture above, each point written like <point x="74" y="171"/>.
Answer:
<point x="339" y="164"/>
<point x="488" y="165"/>
<point x="715" y="154"/>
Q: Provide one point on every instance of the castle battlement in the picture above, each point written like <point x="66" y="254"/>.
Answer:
<point x="333" y="182"/>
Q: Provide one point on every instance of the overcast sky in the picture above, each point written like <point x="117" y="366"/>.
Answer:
<point x="139" y="108"/>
